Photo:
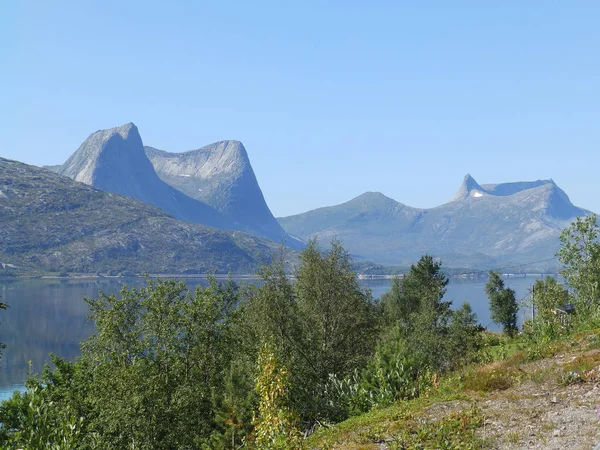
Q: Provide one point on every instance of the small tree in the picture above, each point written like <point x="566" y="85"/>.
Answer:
<point x="425" y="282"/>
<point x="157" y="362"/>
<point x="337" y="319"/>
<point x="275" y="425"/>
<point x="464" y="335"/>
<point x="503" y="304"/>
<point x="416" y="311"/>
<point x="546" y="296"/>
<point x="271" y="313"/>
<point x="580" y="256"/>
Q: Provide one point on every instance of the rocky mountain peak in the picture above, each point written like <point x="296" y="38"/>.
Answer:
<point x="556" y="202"/>
<point x="104" y="148"/>
<point x="127" y="130"/>
<point x="220" y="175"/>
<point x="114" y="160"/>
<point x="214" y="162"/>
<point x="484" y="226"/>
<point x="469" y="188"/>
<point x="372" y="195"/>
<point x="213" y="185"/>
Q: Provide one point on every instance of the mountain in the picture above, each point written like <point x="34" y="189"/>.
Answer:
<point x="221" y="176"/>
<point x="114" y="160"/>
<point x="52" y="223"/>
<point x="483" y="226"/>
<point x="213" y="186"/>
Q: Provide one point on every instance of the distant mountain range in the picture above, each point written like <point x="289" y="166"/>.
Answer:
<point x="483" y="226"/>
<point x="50" y="223"/>
<point x="67" y="225"/>
<point x="213" y="186"/>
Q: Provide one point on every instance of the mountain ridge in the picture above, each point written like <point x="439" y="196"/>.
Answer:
<point x="501" y="224"/>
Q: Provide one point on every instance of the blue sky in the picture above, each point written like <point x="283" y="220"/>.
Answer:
<point x="331" y="99"/>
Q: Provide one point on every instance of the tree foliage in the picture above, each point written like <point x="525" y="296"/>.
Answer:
<point x="158" y="356"/>
<point x="546" y="297"/>
<point x="425" y="283"/>
<point x="170" y="368"/>
<point x="337" y="316"/>
<point x="415" y="311"/>
<point x="322" y="324"/>
<point x="503" y="303"/>
<point x="39" y="423"/>
<point x="274" y="424"/>
<point x="580" y="256"/>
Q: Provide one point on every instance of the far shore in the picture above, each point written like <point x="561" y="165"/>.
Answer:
<point x="221" y="276"/>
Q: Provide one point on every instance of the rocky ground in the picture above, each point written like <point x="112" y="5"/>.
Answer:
<point x="551" y="403"/>
<point x="557" y="408"/>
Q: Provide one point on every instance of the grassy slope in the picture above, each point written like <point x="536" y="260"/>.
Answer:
<point x="519" y="402"/>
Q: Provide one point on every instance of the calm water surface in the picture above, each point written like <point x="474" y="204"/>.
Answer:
<point x="49" y="316"/>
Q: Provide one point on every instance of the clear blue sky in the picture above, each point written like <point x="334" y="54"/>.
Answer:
<point x="331" y="99"/>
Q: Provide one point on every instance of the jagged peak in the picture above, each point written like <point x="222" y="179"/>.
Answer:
<point x="469" y="188"/>
<point x="222" y="147"/>
<point x="545" y="194"/>
<point x="82" y="164"/>
<point x="125" y="131"/>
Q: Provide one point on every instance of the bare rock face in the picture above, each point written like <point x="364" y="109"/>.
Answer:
<point x="213" y="186"/>
<point x="114" y="160"/>
<point x="469" y="188"/>
<point x="221" y="176"/>
<point x="539" y="195"/>
<point x="483" y="226"/>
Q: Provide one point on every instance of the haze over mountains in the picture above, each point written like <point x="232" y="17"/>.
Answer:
<point x="483" y="226"/>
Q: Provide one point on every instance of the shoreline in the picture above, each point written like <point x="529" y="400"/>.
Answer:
<point x="84" y="276"/>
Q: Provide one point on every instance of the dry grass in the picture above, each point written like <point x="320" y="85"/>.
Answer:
<point x="497" y="376"/>
<point x="519" y="403"/>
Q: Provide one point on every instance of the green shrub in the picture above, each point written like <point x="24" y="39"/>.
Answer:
<point x="33" y="421"/>
<point x="394" y="373"/>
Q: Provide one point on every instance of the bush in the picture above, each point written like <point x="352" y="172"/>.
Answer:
<point x="394" y="373"/>
<point x="32" y="420"/>
<point x="548" y="323"/>
<point x="496" y="377"/>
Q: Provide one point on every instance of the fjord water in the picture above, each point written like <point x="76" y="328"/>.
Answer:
<point x="49" y="316"/>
